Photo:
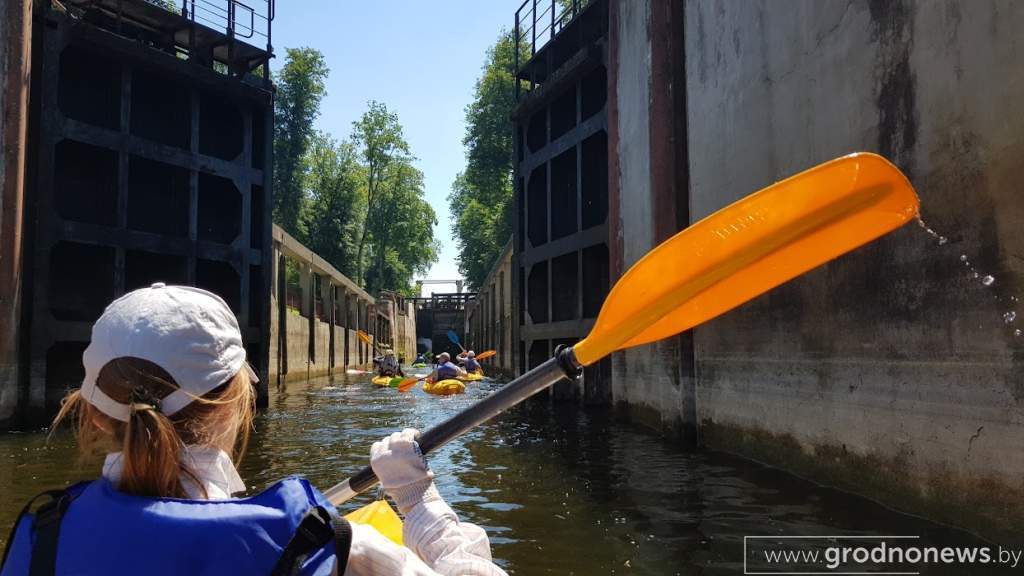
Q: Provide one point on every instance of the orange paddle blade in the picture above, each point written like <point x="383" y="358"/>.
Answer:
<point x="750" y="247"/>
<point x="486" y="354"/>
<point x="364" y="336"/>
<point x="408" y="383"/>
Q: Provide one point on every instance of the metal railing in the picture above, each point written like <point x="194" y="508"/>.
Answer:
<point x="539" y="22"/>
<point x="250" y="23"/>
<point x="236" y="19"/>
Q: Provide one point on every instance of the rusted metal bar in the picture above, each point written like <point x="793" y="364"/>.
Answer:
<point x="16" y="28"/>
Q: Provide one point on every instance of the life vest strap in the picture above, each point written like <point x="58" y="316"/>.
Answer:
<point x="317" y="528"/>
<point x="46" y="526"/>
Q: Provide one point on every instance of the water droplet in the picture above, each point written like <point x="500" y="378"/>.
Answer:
<point x="1009" y="317"/>
<point x="963" y="257"/>
<point x="1016" y="332"/>
<point x="988" y="280"/>
<point x="943" y="240"/>
<point x="974" y="274"/>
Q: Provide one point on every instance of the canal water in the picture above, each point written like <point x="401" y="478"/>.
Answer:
<point x="559" y="490"/>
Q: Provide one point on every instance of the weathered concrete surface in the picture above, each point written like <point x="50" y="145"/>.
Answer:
<point x="645" y="379"/>
<point x="489" y="317"/>
<point x="890" y="372"/>
<point x="15" y="56"/>
<point x="400" y="319"/>
<point x="300" y="366"/>
<point x="307" y="346"/>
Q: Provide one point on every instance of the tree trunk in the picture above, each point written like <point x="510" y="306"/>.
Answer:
<point x="370" y="181"/>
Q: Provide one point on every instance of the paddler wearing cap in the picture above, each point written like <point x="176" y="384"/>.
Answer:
<point x="168" y="394"/>
<point x="387" y="364"/>
<point x="445" y="369"/>
<point x="468" y="359"/>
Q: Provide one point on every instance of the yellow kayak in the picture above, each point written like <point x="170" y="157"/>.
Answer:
<point x="444" y="387"/>
<point x="385" y="381"/>
<point x="381" y="516"/>
<point x="472" y="376"/>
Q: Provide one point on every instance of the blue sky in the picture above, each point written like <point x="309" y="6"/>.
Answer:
<point x="420" y="58"/>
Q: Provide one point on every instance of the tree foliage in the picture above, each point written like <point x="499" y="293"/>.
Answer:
<point x="330" y="215"/>
<point x="300" y="88"/>
<point x="401" y="230"/>
<point x="358" y="204"/>
<point x="379" y="137"/>
<point x="397" y="232"/>
<point x="481" y="196"/>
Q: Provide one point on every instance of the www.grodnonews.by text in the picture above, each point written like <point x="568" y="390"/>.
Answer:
<point x="772" y="555"/>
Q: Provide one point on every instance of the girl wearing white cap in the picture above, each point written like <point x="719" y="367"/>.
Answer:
<point x="168" y="393"/>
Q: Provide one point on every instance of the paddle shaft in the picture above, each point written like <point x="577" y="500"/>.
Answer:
<point x="563" y="365"/>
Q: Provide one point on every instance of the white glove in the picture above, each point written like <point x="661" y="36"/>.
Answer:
<point x="402" y="470"/>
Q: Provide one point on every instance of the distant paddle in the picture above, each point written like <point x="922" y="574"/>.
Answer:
<point x="455" y="339"/>
<point x="366" y="338"/>
<point x="408" y="383"/>
<point x="733" y="255"/>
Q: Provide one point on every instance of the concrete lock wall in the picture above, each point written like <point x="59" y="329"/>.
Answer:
<point x="895" y="371"/>
<point x="404" y="321"/>
<point x="489" y="317"/>
<point x="301" y="349"/>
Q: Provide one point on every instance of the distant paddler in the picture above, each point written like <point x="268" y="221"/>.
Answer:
<point x="468" y="359"/>
<point x="445" y="369"/>
<point x="387" y="363"/>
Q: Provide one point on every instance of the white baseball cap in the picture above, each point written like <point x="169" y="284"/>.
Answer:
<point x="189" y="332"/>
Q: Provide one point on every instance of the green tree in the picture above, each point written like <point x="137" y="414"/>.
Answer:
<point x="334" y="201"/>
<point x="300" y="89"/>
<point x="169" y="5"/>
<point x="481" y="196"/>
<point x="379" y="137"/>
<point x="402" y="227"/>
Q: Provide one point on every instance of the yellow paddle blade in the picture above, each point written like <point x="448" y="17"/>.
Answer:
<point x="486" y="354"/>
<point x="381" y="516"/>
<point x="750" y="247"/>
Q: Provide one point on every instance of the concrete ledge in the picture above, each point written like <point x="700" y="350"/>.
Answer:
<point x="982" y="504"/>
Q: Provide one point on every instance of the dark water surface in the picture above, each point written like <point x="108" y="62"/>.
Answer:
<point x="559" y="490"/>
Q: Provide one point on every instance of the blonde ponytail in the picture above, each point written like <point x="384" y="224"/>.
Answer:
<point x="151" y="452"/>
<point x="152" y="445"/>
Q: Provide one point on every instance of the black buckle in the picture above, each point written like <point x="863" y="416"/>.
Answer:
<point x="568" y="363"/>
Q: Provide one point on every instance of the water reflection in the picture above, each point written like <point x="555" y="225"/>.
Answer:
<point x="560" y="490"/>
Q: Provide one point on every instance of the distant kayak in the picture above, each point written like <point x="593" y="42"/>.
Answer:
<point x="444" y="387"/>
<point x="419" y="365"/>
<point x="472" y="377"/>
<point x="385" y="381"/>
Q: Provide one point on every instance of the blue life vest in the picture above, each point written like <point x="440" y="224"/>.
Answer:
<point x="472" y="365"/>
<point x="105" y="531"/>
<point x="447" y="370"/>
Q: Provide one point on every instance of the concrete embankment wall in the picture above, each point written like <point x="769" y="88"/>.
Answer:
<point x="489" y="317"/>
<point x="314" y="325"/>
<point x="399" y="317"/>
<point x="891" y="372"/>
<point x="301" y="364"/>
